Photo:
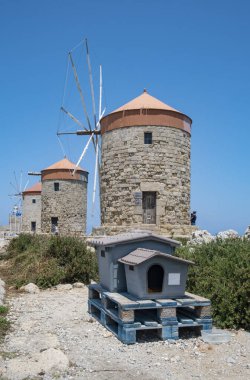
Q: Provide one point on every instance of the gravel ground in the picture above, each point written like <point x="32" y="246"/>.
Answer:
<point x="53" y="337"/>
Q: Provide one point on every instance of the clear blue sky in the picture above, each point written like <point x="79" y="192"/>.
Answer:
<point x="194" y="55"/>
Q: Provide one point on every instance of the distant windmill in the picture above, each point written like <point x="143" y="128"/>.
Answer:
<point x="87" y="127"/>
<point x="15" y="216"/>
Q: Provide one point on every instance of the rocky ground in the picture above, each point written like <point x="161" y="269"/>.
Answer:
<point x="53" y="337"/>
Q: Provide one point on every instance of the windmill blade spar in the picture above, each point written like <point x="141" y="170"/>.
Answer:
<point x="91" y="81"/>
<point x="83" y="153"/>
<point x="72" y="117"/>
<point x="80" y="90"/>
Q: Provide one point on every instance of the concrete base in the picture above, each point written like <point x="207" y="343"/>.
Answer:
<point x="168" y="230"/>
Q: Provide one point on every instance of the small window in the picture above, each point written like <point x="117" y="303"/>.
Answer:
<point x="102" y="253"/>
<point x="56" y="186"/>
<point x="33" y="200"/>
<point x="33" y="226"/>
<point x="131" y="267"/>
<point x="147" y="137"/>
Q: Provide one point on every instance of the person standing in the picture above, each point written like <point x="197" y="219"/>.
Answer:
<point x="193" y="218"/>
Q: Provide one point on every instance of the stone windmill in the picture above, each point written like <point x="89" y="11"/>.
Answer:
<point x="145" y="170"/>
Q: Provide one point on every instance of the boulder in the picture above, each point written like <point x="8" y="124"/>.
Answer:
<point x="62" y="287"/>
<point x="30" y="288"/>
<point x="201" y="237"/>
<point x="46" y="362"/>
<point x="79" y="285"/>
<point x="228" y="234"/>
<point x="247" y="233"/>
<point x="2" y="292"/>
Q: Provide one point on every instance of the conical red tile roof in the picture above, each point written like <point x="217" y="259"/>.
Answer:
<point x="145" y="101"/>
<point x="63" y="170"/>
<point x="145" y="110"/>
<point x="36" y="188"/>
<point x="63" y="164"/>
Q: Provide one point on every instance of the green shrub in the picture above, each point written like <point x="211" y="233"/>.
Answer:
<point x="222" y="274"/>
<point x="19" y="244"/>
<point x="3" y="310"/>
<point x="49" y="260"/>
<point x="4" y="327"/>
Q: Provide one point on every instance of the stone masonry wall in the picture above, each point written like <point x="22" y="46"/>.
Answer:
<point x="69" y="204"/>
<point x="31" y="212"/>
<point x="130" y="167"/>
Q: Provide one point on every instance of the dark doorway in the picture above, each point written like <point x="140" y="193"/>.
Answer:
<point x="155" y="279"/>
<point x="33" y="226"/>
<point x="149" y="207"/>
<point x="54" y="224"/>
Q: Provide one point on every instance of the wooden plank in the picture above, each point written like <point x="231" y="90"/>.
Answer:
<point x="185" y="321"/>
<point x="166" y="302"/>
<point x="121" y="300"/>
<point x="185" y="301"/>
<point x="198" y="299"/>
<point x="144" y="304"/>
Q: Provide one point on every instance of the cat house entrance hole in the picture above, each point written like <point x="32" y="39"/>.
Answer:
<point x="155" y="279"/>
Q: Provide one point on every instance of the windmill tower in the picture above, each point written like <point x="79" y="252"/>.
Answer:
<point x="31" y="215"/>
<point x="64" y="199"/>
<point x="145" y="172"/>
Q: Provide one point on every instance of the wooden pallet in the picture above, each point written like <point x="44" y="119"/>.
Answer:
<point x="124" y="314"/>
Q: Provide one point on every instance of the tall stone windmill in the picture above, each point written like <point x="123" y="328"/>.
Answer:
<point x="145" y="168"/>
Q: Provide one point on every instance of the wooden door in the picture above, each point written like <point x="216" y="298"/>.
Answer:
<point x="149" y="207"/>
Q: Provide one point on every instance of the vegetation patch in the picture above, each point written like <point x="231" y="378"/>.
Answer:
<point x="49" y="260"/>
<point x="4" y="323"/>
<point x="3" y="310"/>
<point x="222" y="274"/>
<point x="4" y="327"/>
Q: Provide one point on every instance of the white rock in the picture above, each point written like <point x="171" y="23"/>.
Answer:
<point x="231" y="361"/>
<point x="91" y="249"/>
<point x="53" y="359"/>
<point x="62" y="287"/>
<point x="30" y="288"/>
<point x="247" y="233"/>
<point x="2" y="295"/>
<point x="79" y="285"/>
<point x="45" y="362"/>
<point x="201" y="237"/>
<point x="227" y="234"/>
<point x="30" y="343"/>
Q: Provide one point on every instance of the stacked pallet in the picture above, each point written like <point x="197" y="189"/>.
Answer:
<point x="125" y="315"/>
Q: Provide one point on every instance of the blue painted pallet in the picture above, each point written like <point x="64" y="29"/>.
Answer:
<point x="126" y="332"/>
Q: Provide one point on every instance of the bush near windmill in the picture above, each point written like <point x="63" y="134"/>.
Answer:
<point x="49" y="260"/>
<point x="222" y="274"/>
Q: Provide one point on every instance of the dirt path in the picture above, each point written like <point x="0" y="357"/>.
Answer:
<point x="53" y="337"/>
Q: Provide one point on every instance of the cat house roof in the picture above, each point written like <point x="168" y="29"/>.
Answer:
<point x="129" y="237"/>
<point x="141" y="254"/>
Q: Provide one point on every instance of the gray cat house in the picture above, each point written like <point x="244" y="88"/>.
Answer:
<point x="142" y="264"/>
<point x="153" y="274"/>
